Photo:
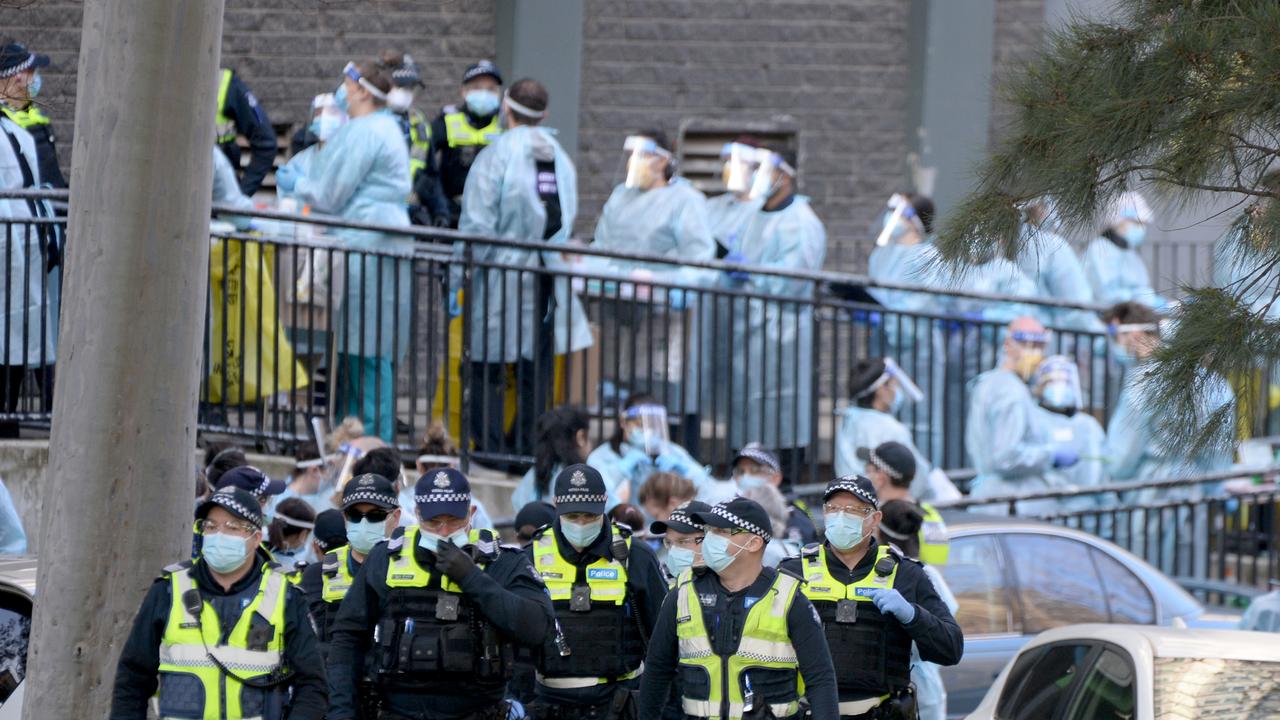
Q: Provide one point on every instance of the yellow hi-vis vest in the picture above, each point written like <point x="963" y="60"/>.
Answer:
<point x="188" y="641"/>
<point x="26" y="119"/>
<point x="607" y="578"/>
<point x="765" y="644"/>
<point x="404" y="571"/>
<point x="223" y="125"/>
<point x="935" y="544"/>
<point x="334" y="586"/>
<point x="459" y="133"/>
<point x="821" y="585"/>
<point x="419" y="142"/>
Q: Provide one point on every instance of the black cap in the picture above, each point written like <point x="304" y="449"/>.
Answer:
<point x="250" y="479"/>
<point x="240" y="503"/>
<point x="484" y="67"/>
<point x="860" y="486"/>
<point x="443" y="491"/>
<point x="756" y="453"/>
<point x="407" y="74"/>
<point x="580" y="488"/>
<point x="861" y="384"/>
<point x="893" y="458"/>
<point x="331" y="530"/>
<point x="15" y="58"/>
<point x="681" y="519"/>
<point x="372" y="489"/>
<point x="537" y="514"/>
<point x="738" y="514"/>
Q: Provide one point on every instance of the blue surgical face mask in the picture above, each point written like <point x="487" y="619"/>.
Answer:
<point x="33" y="86"/>
<point x="324" y="126"/>
<point x="898" y="399"/>
<point x="482" y="103"/>
<point x="362" y="536"/>
<point x="679" y="559"/>
<point x="747" y="481"/>
<point x="340" y="98"/>
<point x="1134" y="235"/>
<point x="899" y="229"/>
<point x="1122" y="355"/>
<point x="843" y="531"/>
<point x="581" y="536"/>
<point x="431" y="541"/>
<point x="223" y="552"/>
<point x="715" y="552"/>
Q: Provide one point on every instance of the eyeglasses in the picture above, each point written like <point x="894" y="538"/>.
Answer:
<point x="726" y="532"/>
<point x="691" y="543"/>
<point x="230" y="527"/>
<point x="443" y="524"/>
<point x="373" y="516"/>
<point x="830" y="509"/>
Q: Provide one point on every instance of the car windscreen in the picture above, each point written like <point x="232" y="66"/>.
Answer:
<point x="1203" y="687"/>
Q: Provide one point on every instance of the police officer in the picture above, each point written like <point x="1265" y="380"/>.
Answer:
<point x="239" y="113"/>
<point x="752" y="466"/>
<point x="873" y="603"/>
<point x="681" y="537"/>
<point x="742" y="636"/>
<point x="460" y="133"/>
<point x="224" y="635"/>
<point x="406" y="80"/>
<point x="20" y="84"/>
<point x="370" y="514"/>
<point x="891" y="468"/>
<point x="606" y="590"/>
<point x="439" y="609"/>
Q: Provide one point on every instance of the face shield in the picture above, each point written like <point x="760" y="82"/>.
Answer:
<point x="740" y="163"/>
<point x="1030" y="345"/>
<point x="899" y="215"/>
<point x="1056" y="383"/>
<point x="906" y="385"/>
<point x="353" y="73"/>
<point x="647" y="428"/>
<point x="768" y="175"/>
<point x="644" y="160"/>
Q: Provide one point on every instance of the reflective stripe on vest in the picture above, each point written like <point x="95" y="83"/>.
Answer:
<point x="183" y="647"/>
<point x="459" y="132"/>
<point x="821" y="585"/>
<point x="765" y="644"/>
<point x="223" y="125"/>
<point x="935" y="544"/>
<point x="28" y="118"/>
<point x="606" y="578"/>
<point x="335" y="586"/>
<point x="419" y="142"/>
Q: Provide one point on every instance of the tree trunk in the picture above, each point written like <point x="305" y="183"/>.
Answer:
<point x="121" y="479"/>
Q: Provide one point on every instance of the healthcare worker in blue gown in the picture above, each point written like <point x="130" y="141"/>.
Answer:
<point x="523" y="186"/>
<point x="1056" y="387"/>
<point x="650" y="333"/>
<point x="1050" y="262"/>
<point x="1006" y="437"/>
<point x="771" y="384"/>
<point x="1136" y="451"/>
<point x="1116" y="272"/>
<point x="362" y="174"/>
<point x="730" y="212"/>
<point x="878" y="391"/>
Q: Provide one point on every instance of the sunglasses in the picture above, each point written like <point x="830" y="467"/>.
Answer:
<point x="373" y="516"/>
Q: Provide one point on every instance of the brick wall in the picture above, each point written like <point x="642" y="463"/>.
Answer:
<point x="838" y="69"/>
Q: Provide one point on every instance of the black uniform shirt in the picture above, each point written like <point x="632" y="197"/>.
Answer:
<point x="251" y="121"/>
<point x="137" y="675"/>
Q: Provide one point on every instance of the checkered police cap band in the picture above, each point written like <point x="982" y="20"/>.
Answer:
<point x="442" y="497"/>
<point x="849" y="484"/>
<point x="884" y="466"/>
<point x="370" y="496"/>
<point x="747" y="525"/>
<point x="25" y="65"/>
<point x="227" y="499"/>
<point x="681" y="515"/>
<point x="576" y="498"/>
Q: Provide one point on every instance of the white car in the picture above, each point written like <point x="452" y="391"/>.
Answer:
<point x="1138" y="672"/>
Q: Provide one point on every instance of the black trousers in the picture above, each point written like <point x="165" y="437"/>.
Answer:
<point x="11" y="386"/>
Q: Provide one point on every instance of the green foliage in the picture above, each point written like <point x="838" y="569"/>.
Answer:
<point x="1180" y="98"/>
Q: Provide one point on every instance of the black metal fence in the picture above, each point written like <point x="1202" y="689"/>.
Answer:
<point x="1213" y="527"/>
<point x="311" y="316"/>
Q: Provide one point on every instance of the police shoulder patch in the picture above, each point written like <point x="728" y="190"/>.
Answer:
<point x="798" y="575"/>
<point x="395" y="544"/>
<point x="811" y="550"/>
<point x="176" y="567"/>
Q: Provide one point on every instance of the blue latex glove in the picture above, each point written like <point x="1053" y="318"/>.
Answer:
<point x="737" y="276"/>
<point x="1064" y="456"/>
<point x="632" y="460"/>
<point x="455" y="304"/>
<point x="287" y="178"/>
<point x="891" y="602"/>
<point x="670" y="463"/>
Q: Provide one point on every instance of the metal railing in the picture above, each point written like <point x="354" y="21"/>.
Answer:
<point x="315" y="316"/>
<point x="1212" y="527"/>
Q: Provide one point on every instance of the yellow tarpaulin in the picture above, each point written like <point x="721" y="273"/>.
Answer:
<point x="249" y="352"/>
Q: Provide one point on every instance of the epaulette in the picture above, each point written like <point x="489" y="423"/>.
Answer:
<point x="176" y="567"/>
<point x="486" y="545"/>
<point x="895" y="551"/>
<point x="395" y="545"/>
<point x="449" y="109"/>
<point x="329" y="566"/>
<point x="811" y="550"/>
<point x="792" y="573"/>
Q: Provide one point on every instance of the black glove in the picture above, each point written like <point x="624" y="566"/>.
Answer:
<point x="453" y="562"/>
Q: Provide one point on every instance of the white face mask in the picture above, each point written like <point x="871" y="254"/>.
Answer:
<point x="400" y="99"/>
